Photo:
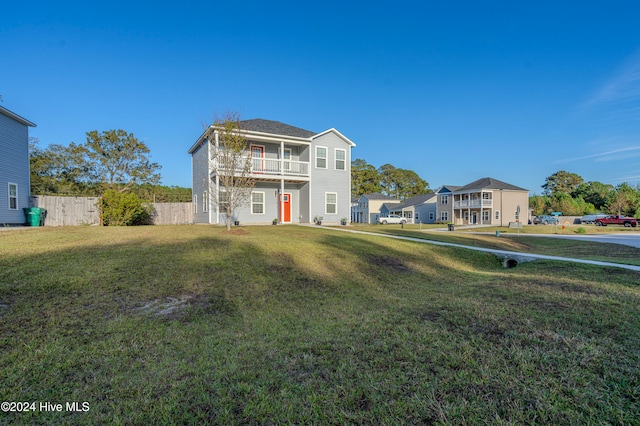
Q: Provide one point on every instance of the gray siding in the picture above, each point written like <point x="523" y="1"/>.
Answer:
<point x="200" y="182"/>
<point x="271" y="200"/>
<point x="14" y="168"/>
<point x="330" y="179"/>
<point x="423" y="211"/>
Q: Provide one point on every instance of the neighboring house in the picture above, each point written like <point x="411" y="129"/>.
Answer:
<point x="417" y="209"/>
<point x="486" y="201"/>
<point x="368" y="209"/>
<point x="299" y="175"/>
<point x="14" y="167"/>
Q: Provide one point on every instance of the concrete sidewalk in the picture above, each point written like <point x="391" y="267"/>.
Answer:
<point x="507" y="255"/>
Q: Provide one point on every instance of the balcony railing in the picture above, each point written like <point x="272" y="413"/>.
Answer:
<point x="266" y="167"/>
<point x="472" y="204"/>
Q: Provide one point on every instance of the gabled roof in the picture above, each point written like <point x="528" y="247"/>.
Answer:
<point x="274" y="128"/>
<point x="260" y="128"/>
<point x="390" y="206"/>
<point x="490" y="183"/>
<point x="413" y="201"/>
<point x="447" y="188"/>
<point x="378" y="196"/>
<point x="334" y="131"/>
<point x="16" y="117"/>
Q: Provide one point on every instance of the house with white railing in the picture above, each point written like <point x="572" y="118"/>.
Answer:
<point x="486" y="201"/>
<point x="299" y="174"/>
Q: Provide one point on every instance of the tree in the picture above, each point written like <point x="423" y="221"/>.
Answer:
<point x="118" y="160"/>
<point x="409" y="184"/>
<point x="563" y="182"/>
<point x="231" y="164"/>
<point x="401" y="183"/>
<point x="541" y="204"/>
<point x="624" y="200"/>
<point x="596" y="193"/>
<point x="365" y="178"/>
<point x="58" y="170"/>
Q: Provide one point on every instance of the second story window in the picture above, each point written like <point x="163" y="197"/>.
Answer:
<point x="444" y="199"/>
<point x="341" y="159"/>
<point x="321" y="157"/>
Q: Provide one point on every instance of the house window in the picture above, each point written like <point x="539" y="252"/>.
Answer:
<point x="466" y="216"/>
<point x="223" y="200"/>
<point x="485" y="215"/>
<point x="497" y="214"/>
<point x="13" y="196"/>
<point x="417" y="217"/>
<point x="205" y="202"/>
<point x="444" y="216"/>
<point x="195" y="204"/>
<point x="330" y="202"/>
<point x="341" y="159"/>
<point x="408" y="215"/>
<point x="486" y="195"/>
<point x="286" y="156"/>
<point x="432" y="216"/>
<point x="444" y="199"/>
<point x="321" y="157"/>
<point x="257" y="203"/>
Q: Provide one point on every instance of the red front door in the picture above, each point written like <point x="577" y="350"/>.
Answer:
<point x="285" y="206"/>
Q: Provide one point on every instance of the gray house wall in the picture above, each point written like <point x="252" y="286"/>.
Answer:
<point x="14" y="168"/>
<point x="330" y="179"/>
<point x="201" y="183"/>
<point x="423" y="211"/>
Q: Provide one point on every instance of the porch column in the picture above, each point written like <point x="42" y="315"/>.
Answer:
<point x="481" y="203"/>
<point x="281" y="215"/>
<point x="281" y="157"/>
<point x="217" y="145"/>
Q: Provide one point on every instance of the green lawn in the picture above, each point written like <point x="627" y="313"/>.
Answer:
<point x="510" y="240"/>
<point x="301" y="325"/>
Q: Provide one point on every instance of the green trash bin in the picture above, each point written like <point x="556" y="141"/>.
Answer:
<point x="33" y="215"/>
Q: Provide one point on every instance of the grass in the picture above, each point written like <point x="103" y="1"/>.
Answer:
<point x="299" y="325"/>
<point x="525" y="242"/>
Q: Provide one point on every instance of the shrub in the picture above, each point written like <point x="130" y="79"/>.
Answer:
<point x="124" y="209"/>
<point x="581" y="230"/>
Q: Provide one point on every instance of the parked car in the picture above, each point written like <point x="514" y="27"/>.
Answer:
<point x="545" y="220"/>
<point x="627" y="222"/>
<point x="591" y="218"/>
<point x="392" y="218"/>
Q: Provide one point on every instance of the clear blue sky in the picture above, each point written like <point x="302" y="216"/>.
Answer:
<point x="454" y="90"/>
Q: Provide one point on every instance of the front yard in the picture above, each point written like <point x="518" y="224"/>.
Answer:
<point x="299" y="325"/>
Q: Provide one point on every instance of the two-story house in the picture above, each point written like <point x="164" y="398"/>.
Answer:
<point x="368" y="208"/>
<point x="486" y="201"/>
<point x="14" y="167"/>
<point x="299" y="174"/>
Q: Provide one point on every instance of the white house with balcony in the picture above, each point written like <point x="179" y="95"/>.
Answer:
<point x="299" y="175"/>
<point x="486" y="201"/>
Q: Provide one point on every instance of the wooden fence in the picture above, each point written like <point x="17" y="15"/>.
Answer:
<point x="73" y="211"/>
<point x="172" y="213"/>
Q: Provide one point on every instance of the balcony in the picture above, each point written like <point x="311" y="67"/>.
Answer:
<point x="473" y="204"/>
<point x="266" y="167"/>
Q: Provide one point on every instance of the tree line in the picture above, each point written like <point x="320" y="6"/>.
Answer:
<point x="109" y="160"/>
<point x="387" y="179"/>
<point x="570" y="194"/>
